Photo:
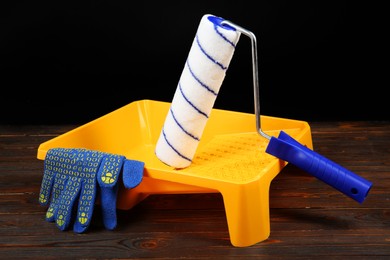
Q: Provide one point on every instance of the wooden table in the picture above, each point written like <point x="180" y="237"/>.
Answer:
<point x="309" y="219"/>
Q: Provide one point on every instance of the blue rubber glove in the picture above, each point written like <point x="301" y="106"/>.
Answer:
<point x="71" y="174"/>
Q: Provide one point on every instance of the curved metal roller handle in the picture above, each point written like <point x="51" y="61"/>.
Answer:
<point x="290" y="150"/>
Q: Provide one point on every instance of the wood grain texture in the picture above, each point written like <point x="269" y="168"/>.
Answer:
<point x="308" y="218"/>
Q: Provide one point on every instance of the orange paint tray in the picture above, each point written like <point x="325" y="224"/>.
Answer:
<point x="230" y="159"/>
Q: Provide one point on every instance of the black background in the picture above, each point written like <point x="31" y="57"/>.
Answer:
<point x="63" y="62"/>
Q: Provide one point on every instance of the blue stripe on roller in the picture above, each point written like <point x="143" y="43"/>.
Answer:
<point x="223" y="36"/>
<point x="209" y="56"/>
<point x="200" y="82"/>
<point x="182" y="128"/>
<point x="217" y="21"/>
<point x="173" y="148"/>
<point x="191" y="104"/>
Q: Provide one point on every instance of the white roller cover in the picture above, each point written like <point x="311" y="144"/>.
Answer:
<point x="197" y="90"/>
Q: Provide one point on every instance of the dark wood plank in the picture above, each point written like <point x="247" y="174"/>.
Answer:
<point x="308" y="218"/>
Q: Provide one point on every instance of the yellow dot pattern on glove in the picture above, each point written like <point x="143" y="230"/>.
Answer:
<point x="83" y="218"/>
<point x="108" y="178"/>
<point x="49" y="213"/>
<point x="70" y="182"/>
<point x="69" y="174"/>
<point x="60" y="220"/>
<point x="42" y="199"/>
<point x="111" y="169"/>
<point x="65" y="162"/>
<point x="58" y="164"/>
<point x="92" y="161"/>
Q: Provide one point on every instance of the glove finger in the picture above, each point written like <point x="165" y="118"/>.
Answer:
<point x="66" y="202"/>
<point x="85" y="208"/>
<point x="108" y="207"/>
<point x="47" y="181"/>
<point x="108" y="176"/>
<point x="88" y="190"/>
<point x="54" y="179"/>
<point x="133" y="171"/>
<point x="58" y="188"/>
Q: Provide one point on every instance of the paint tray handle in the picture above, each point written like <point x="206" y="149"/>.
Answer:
<point x="288" y="149"/>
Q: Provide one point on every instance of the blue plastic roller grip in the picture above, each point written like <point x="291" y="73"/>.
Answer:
<point x="288" y="149"/>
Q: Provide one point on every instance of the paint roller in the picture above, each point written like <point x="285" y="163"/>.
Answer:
<point x="175" y="150"/>
<point x="197" y="90"/>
